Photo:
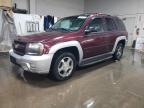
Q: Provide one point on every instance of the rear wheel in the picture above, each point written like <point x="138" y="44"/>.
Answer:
<point x="118" y="52"/>
<point x="63" y="66"/>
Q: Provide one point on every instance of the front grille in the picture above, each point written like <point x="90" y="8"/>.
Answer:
<point x="19" y="47"/>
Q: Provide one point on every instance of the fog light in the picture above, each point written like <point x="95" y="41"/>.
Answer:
<point x="26" y="66"/>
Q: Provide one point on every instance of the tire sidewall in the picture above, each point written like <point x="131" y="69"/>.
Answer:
<point x="116" y="51"/>
<point x="56" y="63"/>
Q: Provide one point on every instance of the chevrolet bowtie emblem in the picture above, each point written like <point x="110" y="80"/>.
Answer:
<point x="16" y="45"/>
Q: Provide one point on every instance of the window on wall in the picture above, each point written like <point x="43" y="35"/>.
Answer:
<point x="111" y="26"/>
<point x="96" y="25"/>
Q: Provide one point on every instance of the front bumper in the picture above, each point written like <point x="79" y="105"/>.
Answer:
<point x="35" y="64"/>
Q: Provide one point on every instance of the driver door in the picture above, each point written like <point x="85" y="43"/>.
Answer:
<point x="95" y="42"/>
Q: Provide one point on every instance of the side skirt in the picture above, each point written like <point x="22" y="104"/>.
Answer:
<point x="95" y="59"/>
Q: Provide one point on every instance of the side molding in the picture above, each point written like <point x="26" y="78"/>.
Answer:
<point x="59" y="46"/>
<point x="117" y="41"/>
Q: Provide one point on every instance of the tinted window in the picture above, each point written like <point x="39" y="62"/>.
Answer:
<point x="111" y="26"/>
<point x="120" y="24"/>
<point x="70" y="23"/>
<point x="96" y="25"/>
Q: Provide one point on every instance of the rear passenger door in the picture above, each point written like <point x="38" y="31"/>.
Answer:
<point x="112" y="32"/>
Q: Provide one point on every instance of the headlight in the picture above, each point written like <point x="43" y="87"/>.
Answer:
<point x="35" y="49"/>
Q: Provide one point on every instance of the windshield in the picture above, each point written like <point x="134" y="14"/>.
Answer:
<point x="70" y="23"/>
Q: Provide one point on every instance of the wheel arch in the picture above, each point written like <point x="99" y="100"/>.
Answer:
<point x="71" y="46"/>
<point x="121" y="39"/>
<point x="71" y="49"/>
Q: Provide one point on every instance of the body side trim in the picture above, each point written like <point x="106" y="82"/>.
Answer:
<point x="59" y="46"/>
<point x="117" y="41"/>
<point x="90" y="63"/>
<point x="97" y="56"/>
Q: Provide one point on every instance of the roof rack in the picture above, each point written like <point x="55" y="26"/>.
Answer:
<point x="97" y="14"/>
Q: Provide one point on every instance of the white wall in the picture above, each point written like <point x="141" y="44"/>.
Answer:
<point x="115" y="7"/>
<point x="59" y="8"/>
<point x="21" y="4"/>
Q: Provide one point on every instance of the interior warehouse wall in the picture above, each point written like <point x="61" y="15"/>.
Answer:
<point x="21" y="4"/>
<point x="115" y="7"/>
<point x="59" y="8"/>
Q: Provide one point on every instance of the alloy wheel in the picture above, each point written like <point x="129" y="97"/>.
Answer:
<point x="65" y="66"/>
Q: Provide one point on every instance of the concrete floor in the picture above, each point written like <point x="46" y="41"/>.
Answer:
<point x="104" y="85"/>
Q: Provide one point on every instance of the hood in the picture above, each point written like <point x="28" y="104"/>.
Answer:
<point x="42" y="37"/>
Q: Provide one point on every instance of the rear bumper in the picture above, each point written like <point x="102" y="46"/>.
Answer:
<point x="35" y="64"/>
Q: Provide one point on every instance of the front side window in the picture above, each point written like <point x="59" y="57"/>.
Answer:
<point x="73" y="23"/>
<point x="110" y="24"/>
<point x="96" y="25"/>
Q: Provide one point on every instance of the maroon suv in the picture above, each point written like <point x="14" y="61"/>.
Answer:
<point x="73" y="41"/>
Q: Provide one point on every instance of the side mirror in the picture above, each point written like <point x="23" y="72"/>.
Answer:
<point x="89" y="30"/>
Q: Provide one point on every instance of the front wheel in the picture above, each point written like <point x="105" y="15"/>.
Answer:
<point x="118" y="52"/>
<point x="63" y="67"/>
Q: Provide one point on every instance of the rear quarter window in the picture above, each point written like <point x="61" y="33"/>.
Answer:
<point x="110" y="24"/>
<point x="120" y="24"/>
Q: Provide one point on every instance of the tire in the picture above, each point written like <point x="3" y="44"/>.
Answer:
<point x="118" y="52"/>
<point x="64" y="65"/>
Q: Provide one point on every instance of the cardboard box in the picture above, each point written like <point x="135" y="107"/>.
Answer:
<point x="6" y="3"/>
